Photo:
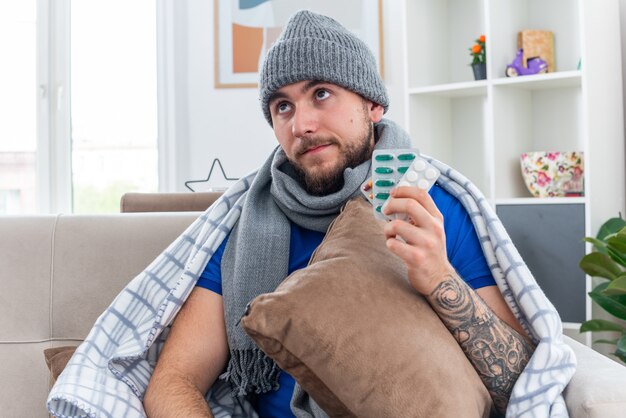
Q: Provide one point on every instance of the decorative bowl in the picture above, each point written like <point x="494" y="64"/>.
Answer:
<point x="552" y="174"/>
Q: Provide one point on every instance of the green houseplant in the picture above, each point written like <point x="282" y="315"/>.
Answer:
<point x="608" y="261"/>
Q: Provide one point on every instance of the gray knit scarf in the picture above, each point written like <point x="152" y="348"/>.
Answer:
<point x="256" y="256"/>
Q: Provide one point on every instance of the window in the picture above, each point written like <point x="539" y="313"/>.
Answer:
<point x="78" y="109"/>
<point x="113" y="102"/>
<point x="10" y="201"/>
<point x="18" y="107"/>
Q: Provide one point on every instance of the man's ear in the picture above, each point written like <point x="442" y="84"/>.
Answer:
<point x="376" y="111"/>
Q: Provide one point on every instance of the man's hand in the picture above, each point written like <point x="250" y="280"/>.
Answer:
<point x="497" y="351"/>
<point x="424" y="247"/>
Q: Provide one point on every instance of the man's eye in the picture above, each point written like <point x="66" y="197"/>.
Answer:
<point x="322" y="94"/>
<point x="283" y="107"/>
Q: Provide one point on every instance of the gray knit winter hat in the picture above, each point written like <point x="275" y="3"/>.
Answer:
<point x="316" y="47"/>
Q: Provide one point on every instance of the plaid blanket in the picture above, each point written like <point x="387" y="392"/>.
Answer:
<point x="109" y="373"/>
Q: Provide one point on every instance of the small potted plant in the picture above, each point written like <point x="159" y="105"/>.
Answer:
<point x="609" y="262"/>
<point x="479" y="58"/>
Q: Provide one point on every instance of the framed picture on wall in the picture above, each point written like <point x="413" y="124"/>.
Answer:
<point x="246" y="29"/>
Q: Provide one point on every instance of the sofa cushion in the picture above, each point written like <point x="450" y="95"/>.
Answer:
<point x="357" y="337"/>
<point x="95" y="256"/>
<point x="597" y="389"/>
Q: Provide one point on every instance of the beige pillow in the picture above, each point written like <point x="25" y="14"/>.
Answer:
<point x="356" y="336"/>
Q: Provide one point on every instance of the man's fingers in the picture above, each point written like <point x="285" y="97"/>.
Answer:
<point x="416" y="194"/>
<point x="399" y="248"/>
<point x="406" y="206"/>
<point x="408" y="232"/>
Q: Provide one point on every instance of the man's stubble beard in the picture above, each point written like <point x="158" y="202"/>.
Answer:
<point x="325" y="183"/>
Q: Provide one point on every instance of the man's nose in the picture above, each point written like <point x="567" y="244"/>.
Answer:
<point x="305" y="121"/>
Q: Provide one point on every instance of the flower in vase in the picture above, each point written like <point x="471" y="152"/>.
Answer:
<point x="477" y="51"/>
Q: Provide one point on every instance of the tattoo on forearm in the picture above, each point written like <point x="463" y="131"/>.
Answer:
<point x="497" y="352"/>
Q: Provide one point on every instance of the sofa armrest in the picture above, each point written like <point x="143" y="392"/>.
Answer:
<point x="598" y="387"/>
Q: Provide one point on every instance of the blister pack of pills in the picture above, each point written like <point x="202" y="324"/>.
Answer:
<point x="397" y="167"/>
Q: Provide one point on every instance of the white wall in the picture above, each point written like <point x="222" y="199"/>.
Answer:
<point x="228" y="123"/>
<point x="622" y="13"/>
<point x="213" y="123"/>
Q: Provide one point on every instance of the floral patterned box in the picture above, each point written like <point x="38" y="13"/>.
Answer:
<point x="552" y="174"/>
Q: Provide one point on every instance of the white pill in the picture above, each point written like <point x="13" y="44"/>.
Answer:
<point x="404" y="184"/>
<point x="419" y="165"/>
<point x="431" y="173"/>
<point x="411" y="176"/>
<point x="423" y="184"/>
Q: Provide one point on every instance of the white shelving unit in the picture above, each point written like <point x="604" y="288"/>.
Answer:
<point x="481" y="127"/>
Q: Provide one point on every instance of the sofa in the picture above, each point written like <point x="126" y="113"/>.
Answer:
<point x="59" y="272"/>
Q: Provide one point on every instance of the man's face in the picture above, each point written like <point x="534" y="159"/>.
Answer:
<point x="323" y="129"/>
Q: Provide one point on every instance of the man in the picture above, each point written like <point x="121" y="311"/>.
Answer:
<point x="321" y="93"/>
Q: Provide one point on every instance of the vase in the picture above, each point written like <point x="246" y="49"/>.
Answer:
<point x="480" y="71"/>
